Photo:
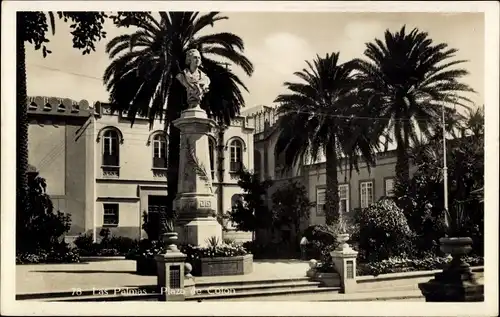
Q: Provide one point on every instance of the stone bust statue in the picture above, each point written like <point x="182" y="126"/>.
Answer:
<point x="193" y="79"/>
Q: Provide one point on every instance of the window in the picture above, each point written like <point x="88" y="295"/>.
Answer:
<point x="343" y="198"/>
<point x="111" y="150"/>
<point x="236" y="152"/>
<point x="320" y="201"/>
<point x="159" y="151"/>
<point x="366" y="191"/>
<point x="211" y="150"/>
<point x="156" y="205"/>
<point x="389" y="187"/>
<point x="110" y="215"/>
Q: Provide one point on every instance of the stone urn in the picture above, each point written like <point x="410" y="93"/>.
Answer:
<point x="342" y="239"/>
<point x="458" y="247"/>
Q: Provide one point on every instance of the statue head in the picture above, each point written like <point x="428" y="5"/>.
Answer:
<point x="193" y="57"/>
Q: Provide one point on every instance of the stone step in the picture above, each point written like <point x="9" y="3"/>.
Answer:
<point x="252" y="294"/>
<point x="234" y="283"/>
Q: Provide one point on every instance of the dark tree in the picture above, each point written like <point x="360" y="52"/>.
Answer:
<point x="251" y="212"/>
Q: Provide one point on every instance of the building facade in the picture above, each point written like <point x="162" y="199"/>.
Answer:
<point x="107" y="173"/>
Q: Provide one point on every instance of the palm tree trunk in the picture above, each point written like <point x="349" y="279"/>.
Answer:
<point x="332" y="184"/>
<point x="402" y="164"/>
<point x="22" y="129"/>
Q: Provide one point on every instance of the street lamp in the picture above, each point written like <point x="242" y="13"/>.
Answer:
<point x="445" y="167"/>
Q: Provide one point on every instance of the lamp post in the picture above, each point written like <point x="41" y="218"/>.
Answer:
<point x="445" y="167"/>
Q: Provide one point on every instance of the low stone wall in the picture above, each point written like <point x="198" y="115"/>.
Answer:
<point x="237" y="236"/>
<point x="236" y="265"/>
<point x="407" y="280"/>
<point x="327" y="279"/>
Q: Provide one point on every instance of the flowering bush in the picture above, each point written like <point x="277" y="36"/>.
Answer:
<point x="322" y="240"/>
<point x="146" y="249"/>
<point x="399" y="264"/>
<point x="59" y="254"/>
<point x="213" y="251"/>
<point x="108" y="246"/>
<point x="383" y="231"/>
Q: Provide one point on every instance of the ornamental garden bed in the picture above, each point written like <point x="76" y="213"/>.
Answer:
<point x="217" y="259"/>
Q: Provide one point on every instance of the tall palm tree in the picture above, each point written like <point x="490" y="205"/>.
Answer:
<point x="316" y="116"/>
<point x="408" y="78"/>
<point x="141" y="77"/>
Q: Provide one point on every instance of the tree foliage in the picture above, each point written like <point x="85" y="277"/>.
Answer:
<point x="383" y="231"/>
<point x="251" y="212"/>
<point x="406" y="79"/>
<point x="291" y="206"/>
<point x="422" y="198"/>
<point x="321" y="107"/>
<point x="42" y="227"/>
<point x="87" y="28"/>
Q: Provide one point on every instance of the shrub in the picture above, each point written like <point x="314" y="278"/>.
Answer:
<point x="228" y="241"/>
<point x="122" y="244"/>
<point x="59" y="253"/>
<point x="383" y="232"/>
<point x="322" y="240"/>
<point x="85" y="243"/>
<point x="145" y="249"/>
<point x="108" y="246"/>
<point x="40" y="227"/>
<point x="399" y="264"/>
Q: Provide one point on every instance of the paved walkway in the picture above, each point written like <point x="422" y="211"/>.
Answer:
<point x="45" y="278"/>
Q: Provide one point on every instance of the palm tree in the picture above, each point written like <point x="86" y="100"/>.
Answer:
<point x="408" y="79"/>
<point x="316" y="117"/>
<point x="141" y="77"/>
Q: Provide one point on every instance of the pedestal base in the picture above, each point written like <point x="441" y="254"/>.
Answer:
<point x="198" y="230"/>
<point x="449" y="287"/>
<point x="344" y="260"/>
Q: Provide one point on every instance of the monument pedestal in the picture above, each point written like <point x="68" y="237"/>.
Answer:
<point x="195" y="202"/>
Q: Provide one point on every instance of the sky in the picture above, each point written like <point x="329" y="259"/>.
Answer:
<point x="278" y="44"/>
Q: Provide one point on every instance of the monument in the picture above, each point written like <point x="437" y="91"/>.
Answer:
<point x="195" y="202"/>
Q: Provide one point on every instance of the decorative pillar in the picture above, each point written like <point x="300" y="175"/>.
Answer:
<point x="195" y="202"/>
<point x="344" y="259"/>
<point x="170" y="271"/>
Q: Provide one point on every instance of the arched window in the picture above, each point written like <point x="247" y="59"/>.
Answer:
<point x="236" y="159"/>
<point x="111" y="149"/>
<point x="159" y="151"/>
<point x="211" y="151"/>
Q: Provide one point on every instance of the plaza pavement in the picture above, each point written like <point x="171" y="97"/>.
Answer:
<point x="120" y="273"/>
<point x="116" y="273"/>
